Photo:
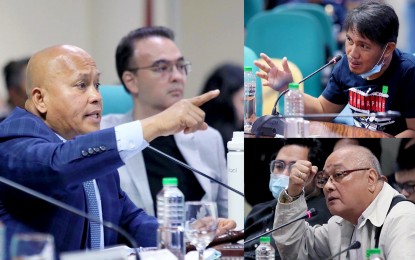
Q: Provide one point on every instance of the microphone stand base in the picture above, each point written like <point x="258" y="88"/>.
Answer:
<point x="268" y="125"/>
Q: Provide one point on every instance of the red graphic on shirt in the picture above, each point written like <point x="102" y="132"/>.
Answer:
<point x="367" y="102"/>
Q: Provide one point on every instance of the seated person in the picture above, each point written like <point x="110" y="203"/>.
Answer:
<point x="405" y="169"/>
<point x="54" y="146"/>
<point x="359" y="200"/>
<point x="373" y="75"/>
<point x="261" y="217"/>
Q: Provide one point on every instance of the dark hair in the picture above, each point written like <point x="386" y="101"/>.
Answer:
<point x="317" y="155"/>
<point x="125" y="48"/>
<point x="13" y="72"/>
<point x="405" y="160"/>
<point x="220" y="111"/>
<point x="376" y="21"/>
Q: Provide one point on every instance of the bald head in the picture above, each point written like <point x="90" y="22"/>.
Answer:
<point x="359" y="155"/>
<point x="62" y="89"/>
<point x="47" y="63"/>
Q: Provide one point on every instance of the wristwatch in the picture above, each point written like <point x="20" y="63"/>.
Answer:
<point x="285" y="198"/>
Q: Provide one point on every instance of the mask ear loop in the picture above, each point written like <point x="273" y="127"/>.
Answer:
<point x="383" y="53"/>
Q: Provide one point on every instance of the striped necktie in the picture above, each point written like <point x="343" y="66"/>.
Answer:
<point x="94" y="227"/>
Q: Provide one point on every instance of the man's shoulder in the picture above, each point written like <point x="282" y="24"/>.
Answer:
<point x="22" y="122"/>
<point x="407" y="60"/>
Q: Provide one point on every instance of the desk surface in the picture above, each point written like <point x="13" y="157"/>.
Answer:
<point x="327" y="129"/>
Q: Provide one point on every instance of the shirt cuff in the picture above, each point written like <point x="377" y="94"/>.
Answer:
<point x="130" y="139"/>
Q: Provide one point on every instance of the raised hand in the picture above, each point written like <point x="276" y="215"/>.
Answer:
<point x="276" y="78"/>
<point x="185" y="115"/>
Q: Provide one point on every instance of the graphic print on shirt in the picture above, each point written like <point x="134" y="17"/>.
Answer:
<point x="369" y="102"/>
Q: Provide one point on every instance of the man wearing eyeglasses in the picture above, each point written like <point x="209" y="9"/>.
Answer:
<point x="154" y="71"/>
<point x="358" y="199"/>
<point x="261" y="217"/>
<point x="405" y="169"/>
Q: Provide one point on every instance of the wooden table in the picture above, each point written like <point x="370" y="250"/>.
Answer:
<point x="325" y="129"/>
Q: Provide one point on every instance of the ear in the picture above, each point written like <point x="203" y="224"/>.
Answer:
<point x="38" y="99"/>
<point x="390" y="48"/>
<point x="372" y="180"/>
<point x="130" y="81"/>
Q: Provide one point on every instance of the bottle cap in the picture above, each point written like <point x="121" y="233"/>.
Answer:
<point x="293" y="86"/>
<point x="172" y="181"/>
<point x="247" y="68"/>
<point x="265" y="240"/>
<point x="373" y="251"/>
<point x="237" y="142"/>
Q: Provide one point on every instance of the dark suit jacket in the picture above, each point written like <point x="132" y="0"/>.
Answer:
<point x="32" y="154"/>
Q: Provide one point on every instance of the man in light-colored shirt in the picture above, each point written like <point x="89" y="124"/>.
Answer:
<point x="359" y="200"/>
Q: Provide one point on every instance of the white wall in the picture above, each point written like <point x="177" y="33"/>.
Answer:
<point x="208" y="32"/>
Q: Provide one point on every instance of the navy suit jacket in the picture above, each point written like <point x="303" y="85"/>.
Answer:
<point x="33" y="155"/>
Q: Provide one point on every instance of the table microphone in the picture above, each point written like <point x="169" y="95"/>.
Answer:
<point x="355" y="245"/>
<point x="194" y="170"/>
<point x="73" y="210"/>
<point x="270" y="125"/>
<point x="310" y="213"/>
<point x="332" y="61"/>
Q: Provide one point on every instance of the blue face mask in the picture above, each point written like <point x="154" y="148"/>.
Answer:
<point x="375" y="68"/>
<point x="277" y="183"/>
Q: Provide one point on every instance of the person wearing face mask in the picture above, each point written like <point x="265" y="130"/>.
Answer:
<point x="261" y="217"/>
<point x="372" y="76"/>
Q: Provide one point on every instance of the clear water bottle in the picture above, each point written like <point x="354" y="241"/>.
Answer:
<point x="294" y="106"/>
<point x="249" y="98"/>
<point x="170" y="216"/>
<point x="265" y="251"/>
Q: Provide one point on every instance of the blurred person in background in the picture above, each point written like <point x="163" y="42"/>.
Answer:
<point x="405" y="169"/>
<point x="15" y="80"/>
<point x="225" y="114"/>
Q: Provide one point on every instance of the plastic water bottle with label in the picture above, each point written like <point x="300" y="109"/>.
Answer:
<point x="265" y="251"/>
<point x="249" y="98"/>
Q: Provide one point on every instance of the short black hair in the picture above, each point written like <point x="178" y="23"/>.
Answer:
<point x="374" y="20"/>
<point x="405" y="159"/>
<point x="125" y="48"/>
<point x="316" y="155"/>
<point x="14" y="71"/>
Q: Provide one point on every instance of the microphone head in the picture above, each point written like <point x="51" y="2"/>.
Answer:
<point x="355" y="245"/>
<point x="336" y="59"/>
<point x="312" y="212"/>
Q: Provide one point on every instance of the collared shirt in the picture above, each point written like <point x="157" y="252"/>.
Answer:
<point x="300" y="241"/>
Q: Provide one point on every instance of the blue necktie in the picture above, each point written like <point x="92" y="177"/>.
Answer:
<point x="94" y="227"/>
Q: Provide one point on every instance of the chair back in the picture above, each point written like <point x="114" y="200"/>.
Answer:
<point x="115" y="100"/>
<point x="323" y="18"/>
<point x="251" y="8"/>
<point x="249" y="58"/>
<point x="297" y="36"/>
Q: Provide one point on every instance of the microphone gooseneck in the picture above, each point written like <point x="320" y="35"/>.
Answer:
<point x="355" y="245"/>
<point x="310" y="213"/>
<point x="194" y="170"/>
<point x="73" y="210"/>
<point x="332" y="61"/>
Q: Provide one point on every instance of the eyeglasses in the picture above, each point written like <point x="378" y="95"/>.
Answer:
<point x="322" y="178"/>
<point x="278" y="166"/>
<point x="164" y="67"/>
<point x="408" y="187"/>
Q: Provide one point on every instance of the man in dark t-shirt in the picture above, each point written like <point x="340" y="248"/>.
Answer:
<point x="373" y="75"/>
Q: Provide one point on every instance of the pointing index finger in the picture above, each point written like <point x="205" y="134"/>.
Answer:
<point x="200" y="100"/>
